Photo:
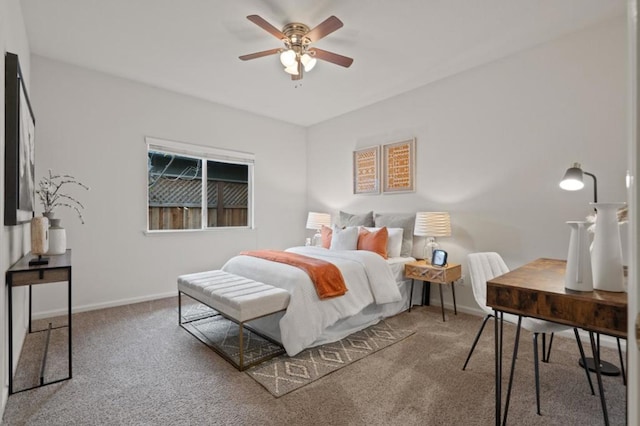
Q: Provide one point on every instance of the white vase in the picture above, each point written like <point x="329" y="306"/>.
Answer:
<point x="57" y="238"/>
<point x="578" y="275"/>
<point x="606" y="255"/>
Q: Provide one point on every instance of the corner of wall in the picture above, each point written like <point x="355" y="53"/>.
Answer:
<point x="13" y="38"/>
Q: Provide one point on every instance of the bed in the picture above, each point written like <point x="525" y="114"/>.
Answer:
<point x="376" y="289"/>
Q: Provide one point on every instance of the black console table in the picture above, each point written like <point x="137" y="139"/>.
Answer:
<point x="20" y="274"/>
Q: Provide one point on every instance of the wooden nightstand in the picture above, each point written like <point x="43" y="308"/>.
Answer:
<point x="423" y="271"/>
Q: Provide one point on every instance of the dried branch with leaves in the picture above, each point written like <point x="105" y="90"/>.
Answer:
<point x="50" y="192"/>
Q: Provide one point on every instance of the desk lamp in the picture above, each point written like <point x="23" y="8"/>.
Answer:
<point x="573" y="180"/>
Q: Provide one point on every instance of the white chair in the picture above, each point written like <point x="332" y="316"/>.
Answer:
<point x="482" y="268"/>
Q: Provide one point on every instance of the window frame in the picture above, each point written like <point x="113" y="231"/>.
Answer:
<point x="204" y="154"/>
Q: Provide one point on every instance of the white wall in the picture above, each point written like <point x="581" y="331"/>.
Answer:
<point x="492" y="145"/>
<point x="15" y="240"/>
<point x="93" y="126"/>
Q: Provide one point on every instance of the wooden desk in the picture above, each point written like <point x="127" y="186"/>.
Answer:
<point x="20" y="274"/>
<point x="537" y="290"/>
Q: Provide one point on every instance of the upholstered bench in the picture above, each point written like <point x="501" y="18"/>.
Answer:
<point x="238" y="299"/>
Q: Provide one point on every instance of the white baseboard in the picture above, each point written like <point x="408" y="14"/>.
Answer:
<point x="96" y="306"/>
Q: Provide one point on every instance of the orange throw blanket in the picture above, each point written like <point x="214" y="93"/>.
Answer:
<point x="325" y="276"/>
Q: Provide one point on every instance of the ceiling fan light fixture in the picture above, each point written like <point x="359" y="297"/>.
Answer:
<point x="292" y="69"/>
<point x="308" y="61"/>
<point x="288" y="58"/>
<point x="298" y="56"/>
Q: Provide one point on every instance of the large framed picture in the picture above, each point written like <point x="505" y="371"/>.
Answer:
<point x="19" y="166"/>
<point x="399" y="169"/>
<point x="366" y="170"/>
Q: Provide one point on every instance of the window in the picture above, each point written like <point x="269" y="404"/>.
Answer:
<point x="195" y="187"/>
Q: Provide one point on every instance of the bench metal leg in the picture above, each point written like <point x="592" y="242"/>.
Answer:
<point x="241" y="346"/>
<point x="240" y="365"/>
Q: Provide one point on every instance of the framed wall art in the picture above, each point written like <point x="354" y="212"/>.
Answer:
<point x="399" y="166"/>
<point x="366" y="170"/>
<point x="19" y="167"/>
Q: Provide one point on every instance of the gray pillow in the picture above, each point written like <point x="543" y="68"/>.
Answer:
<point x="348" y="219"/>
<point x="406" y="221"/>
<point x="344" y="239"/>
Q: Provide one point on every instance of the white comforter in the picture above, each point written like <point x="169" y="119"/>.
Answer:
<point x="368" y="278"/>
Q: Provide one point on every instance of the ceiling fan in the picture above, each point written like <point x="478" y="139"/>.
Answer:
<point x="298" y="55"/>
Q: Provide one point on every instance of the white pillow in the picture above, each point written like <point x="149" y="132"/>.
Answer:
<point x="394" y="243"/>
<point x="344" y="239"/>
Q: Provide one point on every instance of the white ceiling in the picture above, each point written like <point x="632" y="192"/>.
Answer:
<point x="192" y="46"/>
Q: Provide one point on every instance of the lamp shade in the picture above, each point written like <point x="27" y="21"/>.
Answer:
<point x="316" y="220"/>
<point x="292" y="69"/>
<point x="432" y="224"/>
<point x="288" y="58"/>
<point x="308" y="61"/>
<point x="573" y="178"/>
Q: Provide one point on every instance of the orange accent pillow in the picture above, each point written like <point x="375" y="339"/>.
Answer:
<point x="326" y="233"/>
<point x="374" y="241"/>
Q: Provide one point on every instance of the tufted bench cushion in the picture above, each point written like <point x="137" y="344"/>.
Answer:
<point x="235" y="297"/>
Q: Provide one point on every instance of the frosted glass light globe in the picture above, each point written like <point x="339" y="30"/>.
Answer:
<point x="308" y="61"/>
<point x="288" y="58"/>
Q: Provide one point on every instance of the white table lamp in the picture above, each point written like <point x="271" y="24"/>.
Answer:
<point x="432" y="225"/>
<point x="315" y="222"/>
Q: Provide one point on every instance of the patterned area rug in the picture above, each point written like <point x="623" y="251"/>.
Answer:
<point x="219" y="331"/>
<point x="284" y="374"/>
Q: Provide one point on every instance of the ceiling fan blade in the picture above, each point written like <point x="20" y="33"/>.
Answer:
<point x="259" y="54"/>
<point x="266" y="26"/>
<point x="334" y="58"/>
<point x="325" y="28"/>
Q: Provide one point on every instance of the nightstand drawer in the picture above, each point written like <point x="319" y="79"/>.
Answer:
<point x="422" y="271"/>
<point x="40" y="276"/>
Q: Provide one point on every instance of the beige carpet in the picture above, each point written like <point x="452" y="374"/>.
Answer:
<point x="133" y="365"/>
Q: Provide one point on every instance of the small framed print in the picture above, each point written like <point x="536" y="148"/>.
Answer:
<point x="366" y="170"/>
<point x="399" y="166"/>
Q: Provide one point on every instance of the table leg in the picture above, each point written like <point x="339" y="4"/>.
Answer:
<point x="582" y="357"/>
<point x="411" y="295"/>
<point x="596" y="359"/>
<point x="10" y="355"/>
<point x="441" y="302"/>
<point x="624" y="374"/>
<point x="30" y="299"/>
<point x="426" y="293"/>
<point x="497" y="337"/>
<point x="453" y="291"/>
<point x="513" y="367"/>
<point x="70" y="330"/>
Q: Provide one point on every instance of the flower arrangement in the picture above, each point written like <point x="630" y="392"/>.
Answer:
<point x="50" y="192"/>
